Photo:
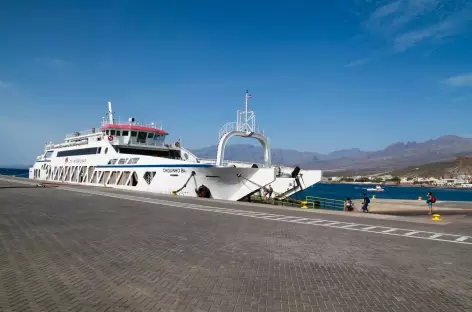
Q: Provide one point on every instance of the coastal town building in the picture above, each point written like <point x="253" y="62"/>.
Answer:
<point x="463" y="181"/>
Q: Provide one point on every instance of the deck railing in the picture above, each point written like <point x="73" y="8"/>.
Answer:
<point x="82" y="133"/>
<point x="325" y="203"/>
<point x="234" y="126"/>
<point x="285" y="169"/>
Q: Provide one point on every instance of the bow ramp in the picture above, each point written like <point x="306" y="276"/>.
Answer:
<point x="289" y="180"/>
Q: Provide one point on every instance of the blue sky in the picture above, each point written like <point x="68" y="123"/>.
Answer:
<point x="324" y="75"/>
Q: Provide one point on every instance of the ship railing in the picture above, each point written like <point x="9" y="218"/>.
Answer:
<point x="285" y="170"/>
<point x="141" y="124"/>
<point x="81" y="133"/>
<point x="234" y="126"/>
<point x="154" y="144"/>
<point x="69" y="144"/>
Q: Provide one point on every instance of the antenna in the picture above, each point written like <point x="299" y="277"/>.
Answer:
<point x="248" y="96"/>
<point x="246" y="120"/>
<point x="110" y="113"/>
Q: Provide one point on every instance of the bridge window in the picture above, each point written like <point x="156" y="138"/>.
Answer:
<point x="125" y="132"/>
<point x="107" y="132"/>
<point x="134" y="133"/>
<point x="141" y="137"/>
<point x="117" y="132"/>
<point x="150" y="135"/>
<point x="112" y="132"/>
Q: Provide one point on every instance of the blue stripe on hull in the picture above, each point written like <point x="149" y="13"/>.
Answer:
<point x="159" y="166"/>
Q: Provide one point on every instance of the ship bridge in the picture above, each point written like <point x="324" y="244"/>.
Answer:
<point x="131" y="133"/>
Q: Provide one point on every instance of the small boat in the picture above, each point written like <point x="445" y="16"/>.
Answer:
<point x="378" y="188"/>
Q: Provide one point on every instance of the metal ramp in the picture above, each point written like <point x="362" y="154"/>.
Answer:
<point x="245" y="126"/>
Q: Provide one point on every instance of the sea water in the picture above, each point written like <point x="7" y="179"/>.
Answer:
<point x="21" y="173"/>
<point x="355" y="191"/>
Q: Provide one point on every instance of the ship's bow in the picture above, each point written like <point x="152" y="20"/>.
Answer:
<point x="231" y="183"/>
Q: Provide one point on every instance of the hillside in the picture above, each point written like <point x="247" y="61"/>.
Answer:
<point x="452" y="168"/>
<point x="395" y="156"/>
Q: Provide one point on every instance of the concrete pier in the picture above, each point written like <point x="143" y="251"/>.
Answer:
<point x="71" y="248"/>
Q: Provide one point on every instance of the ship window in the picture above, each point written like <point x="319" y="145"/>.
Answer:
<point x="150" y="135"/>
<point x="125" y="132"/>
<point x="112" y="132"/>
<point x="173" y="154"/>
<point x="106" y="150"/>
<point x="134" y="133"/>
<point x="48" y="154"/>
<point x="122" y="161"/>
<point x="99" y="139"/>
<point x="117" y="132"/>
<point x="107" y="132"/>
<point x="99" y="150"/>
<point x="141" y="137"/>
<point x="77" y="152"/>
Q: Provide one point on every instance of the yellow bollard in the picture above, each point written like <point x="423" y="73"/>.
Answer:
<point x="174" y="192"/>
<point x="304" y="205"/>
<point x="436" y="217"/>
<point x="420" y="198"/>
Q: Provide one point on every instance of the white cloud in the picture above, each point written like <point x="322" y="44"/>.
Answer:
<point x="396" y="21"/>
<point x="5" y="85"/>
<point x="386" y="10"/>
<point x="356" y="63"/>
<point x="58" y="63"/>
<point x="407" y="40"/>
<point x="55" y="63"/>
<point x="464" y="80"/>
<point x="415" y="9"/>
<point x="452" y="25"/>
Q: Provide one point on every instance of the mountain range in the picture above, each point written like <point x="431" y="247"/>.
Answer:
<point x="395" y="156"/>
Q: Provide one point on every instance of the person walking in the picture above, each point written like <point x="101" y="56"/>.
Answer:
<point x="365" y="203"/>
<point x="430" y="201"/>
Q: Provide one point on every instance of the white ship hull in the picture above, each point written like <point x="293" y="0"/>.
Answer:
<point x="284" y="185"/>
<point x="152" y="174"/>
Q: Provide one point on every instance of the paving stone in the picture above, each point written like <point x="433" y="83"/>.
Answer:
<point x="64" y="251"/>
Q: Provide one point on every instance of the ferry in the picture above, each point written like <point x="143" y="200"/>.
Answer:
<point x="135" y="156"/>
